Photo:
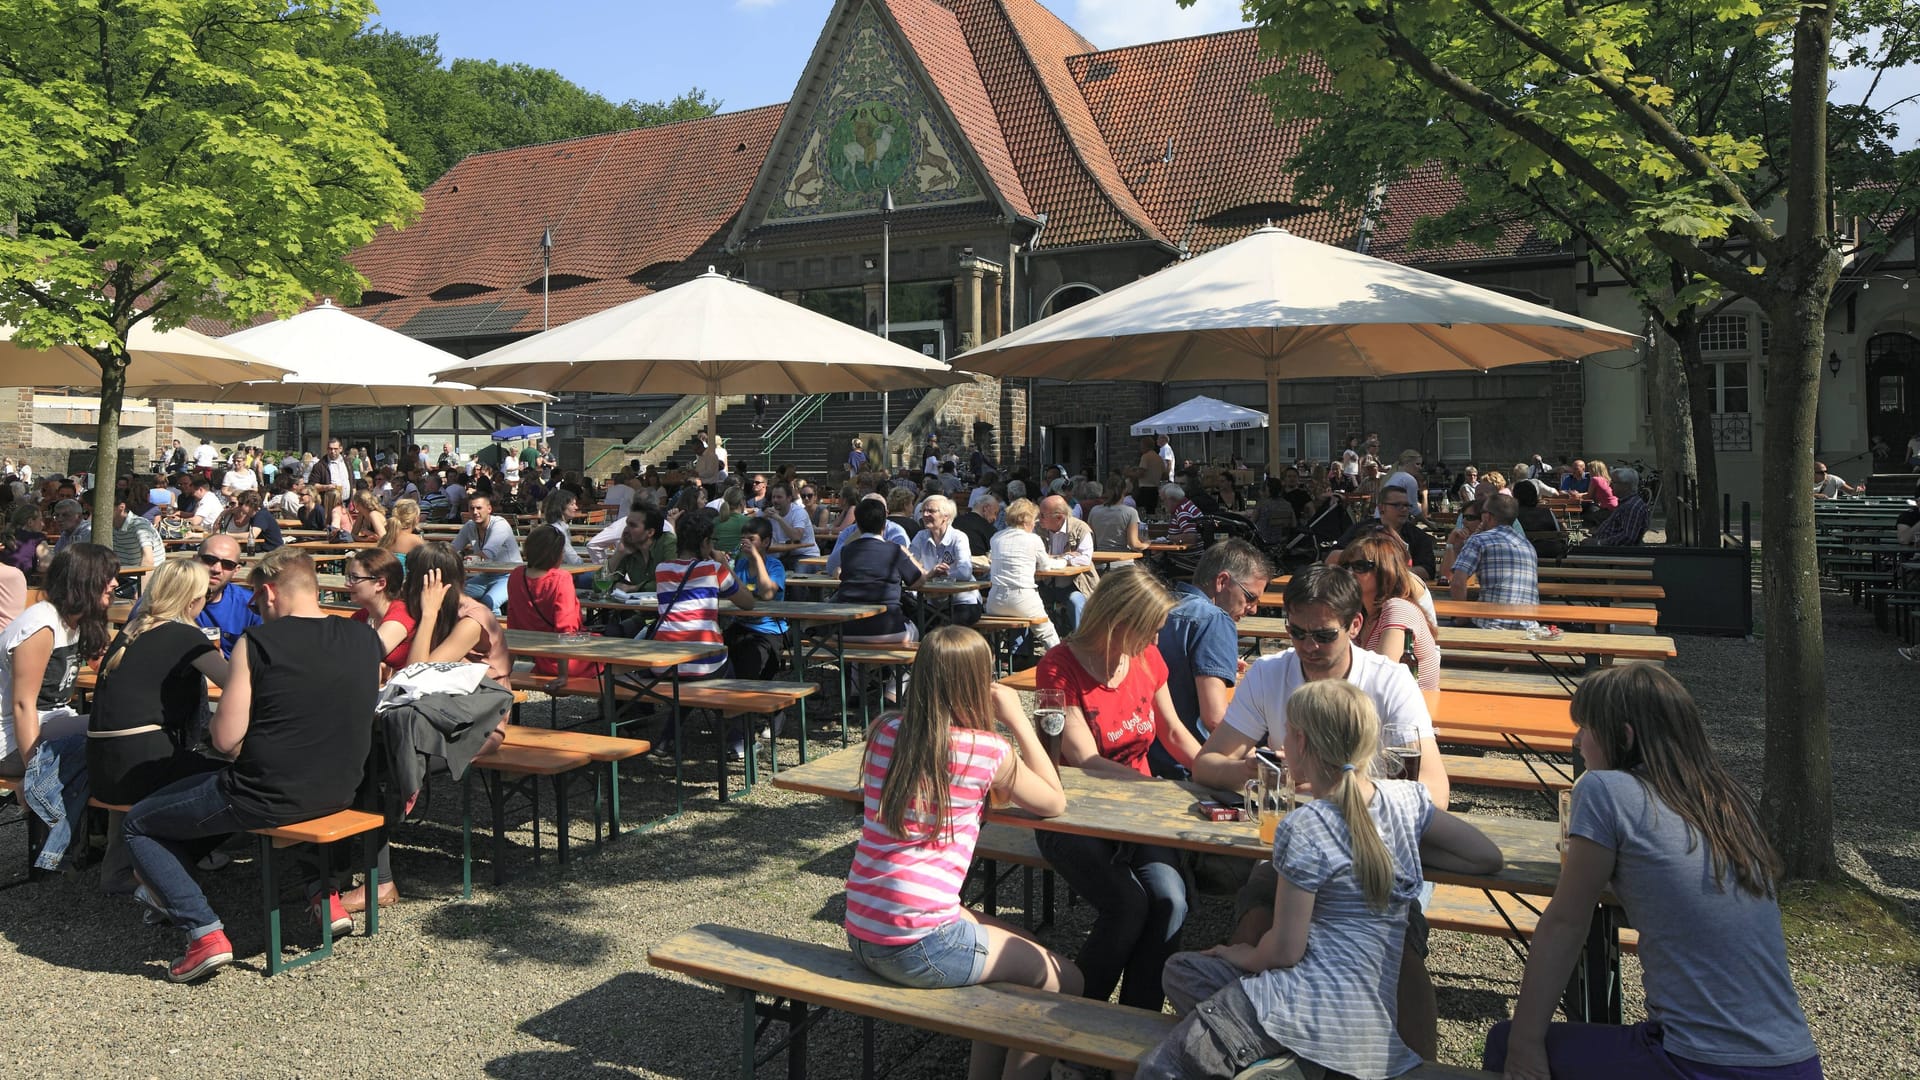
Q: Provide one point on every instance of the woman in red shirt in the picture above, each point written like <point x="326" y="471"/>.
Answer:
<point x="374" y="577"/>
<point x="1117" y="706"/>
<point x="541" y="597"/>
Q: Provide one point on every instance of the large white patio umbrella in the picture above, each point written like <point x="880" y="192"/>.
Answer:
<point x="712" y="336"/>
<point x="1275" y="306"/>
<point x="1201" y="415"/>
<point x="158" y="362"/>
<point x="338" y="358"/>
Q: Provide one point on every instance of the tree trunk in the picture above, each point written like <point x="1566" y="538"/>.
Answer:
<point x="113" y="394"/>
<point x="1796" y="803"/>
<point x="1673" y="441"/>
<point x="1797" y="793"/>
<point x="1706" y="456"/>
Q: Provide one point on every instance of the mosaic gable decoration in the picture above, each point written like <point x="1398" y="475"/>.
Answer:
<point x="872" y="129"/>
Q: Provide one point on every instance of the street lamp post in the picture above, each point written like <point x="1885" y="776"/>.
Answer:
<point x="886" y="317"/>
<point x="546" y="277"/>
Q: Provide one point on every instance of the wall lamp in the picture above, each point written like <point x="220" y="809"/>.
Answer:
<point x="1833" y="363"/>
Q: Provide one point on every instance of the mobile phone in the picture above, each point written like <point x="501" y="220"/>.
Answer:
<point x="1214" y="810"/>
<point x="1270" y="756"/>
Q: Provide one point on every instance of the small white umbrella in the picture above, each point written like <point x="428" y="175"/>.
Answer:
<point x="158" y="363"/>
<point x="712" y="336"/>
<point x="338" y="358"/>
<point x="1202" y="415"/>
<point x="1275" y="306"/>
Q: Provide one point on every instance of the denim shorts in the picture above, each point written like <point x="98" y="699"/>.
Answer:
<point x="953" y="955"/>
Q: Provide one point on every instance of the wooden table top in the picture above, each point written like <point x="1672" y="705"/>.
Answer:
<point x="480" y="567"/>
<point x="1600" y="592"/>
<point x="1164" y="812"/>
<point x="1116" y="556"/>
<point x="1577" y="614"/>
<point x="618" y="652"/>
<point x="1593" y="573"/>
<point x="926" y="586"/>
<point x="1618" y="646"/>
<point x="1603" y="560"/>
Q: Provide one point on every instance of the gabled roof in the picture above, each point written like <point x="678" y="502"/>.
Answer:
<point x="1021" y="50"/>
<point x="1429" y="191"/>
<point x="627" y="209"/>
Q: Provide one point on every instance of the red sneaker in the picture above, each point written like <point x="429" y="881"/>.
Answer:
<point x="337" y="912"/>
<point x="205" y="955"/>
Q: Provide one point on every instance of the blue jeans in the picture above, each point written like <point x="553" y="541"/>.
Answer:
<point x="952" y="955"/>
<point x="490" y="589"/>
<point x="1141" y="896"/>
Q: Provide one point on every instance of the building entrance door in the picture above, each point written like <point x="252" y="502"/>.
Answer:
<point x="1077" y="448"/>
<point x="1893" y="390"/>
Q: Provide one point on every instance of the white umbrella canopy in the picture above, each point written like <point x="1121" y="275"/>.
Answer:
<point x="177" y="362"/>
<point x="1201" y="414"/>
<point x="712" y="336"/>
<point x="1278" y="306"/>
<point x="337" y="358"/>
<point x="1275" y="306"/>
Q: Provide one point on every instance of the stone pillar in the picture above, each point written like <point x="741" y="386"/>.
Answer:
<point x="163" y="430"/>
<point x="966" y="303"/>
<point x="16" y="423"/>
<point x="995" y="325"/>
<point x="1567" y="410"/>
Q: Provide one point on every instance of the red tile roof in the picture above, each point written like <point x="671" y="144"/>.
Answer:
<point x="934" y="35"/>
<point x="1021" y="50"/>
<point x="625" y="208"/>
<point x="1428" y="192"/>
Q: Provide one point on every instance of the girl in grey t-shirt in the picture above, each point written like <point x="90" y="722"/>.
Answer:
<point x="1659" y="819"/>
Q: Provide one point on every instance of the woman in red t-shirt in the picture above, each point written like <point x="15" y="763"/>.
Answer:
<point x="1117" y="706"/>
<point x="540" y="597"/>
<point x="374" y="577"/>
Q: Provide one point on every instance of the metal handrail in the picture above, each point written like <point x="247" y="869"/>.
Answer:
<point x="784" y="429"/>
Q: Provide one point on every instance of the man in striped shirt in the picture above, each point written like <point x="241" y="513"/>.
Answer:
<point x="1186" y="514"/>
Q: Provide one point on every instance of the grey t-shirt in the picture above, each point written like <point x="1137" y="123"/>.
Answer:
<point x="1713" y="957"/>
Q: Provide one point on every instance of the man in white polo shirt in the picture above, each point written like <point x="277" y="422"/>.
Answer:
<point x="1323" y="616"/>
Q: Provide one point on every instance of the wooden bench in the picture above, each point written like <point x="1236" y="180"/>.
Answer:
<point x="516" y="770"/>
<point x="728" y="699"/>
<point x="1474" y="911"/>
<point x="799" y="975"/>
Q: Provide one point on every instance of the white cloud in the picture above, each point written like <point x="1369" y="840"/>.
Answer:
<point x="1112" y="23"/>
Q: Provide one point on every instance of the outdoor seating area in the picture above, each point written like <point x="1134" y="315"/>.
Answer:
<point x="1025" y="540"/>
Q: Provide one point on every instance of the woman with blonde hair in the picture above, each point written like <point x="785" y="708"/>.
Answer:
<point x="1115" y="684"/>
<point x="369" y="520"/>
<point x="151" y="700"/>
<point x="1014" y="555"/>
<point x="1659" y="821"/>
<point x="1321" y="983"/>
<point x="402" y="537"/>
<point x="929" y="774"/>
<point x="1601" y="500"/>
<point x="1400" y="622"/>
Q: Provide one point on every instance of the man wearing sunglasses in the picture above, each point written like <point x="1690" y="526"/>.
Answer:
<point x="229" y="609"/>
<point x="1200" y="644"/>
<point x="1396" y="514"/>
<point x="1323" y="616"/>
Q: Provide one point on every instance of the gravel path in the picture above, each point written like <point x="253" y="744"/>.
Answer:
<point x="547" y="976"/>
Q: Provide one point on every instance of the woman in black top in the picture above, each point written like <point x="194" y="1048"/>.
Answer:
<point x="151" y="702"/>
<point x="1535" y="520"/>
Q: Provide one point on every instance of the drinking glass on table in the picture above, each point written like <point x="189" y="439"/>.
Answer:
<point x="1403" y="761"/>
<point x="1050" y="712"/>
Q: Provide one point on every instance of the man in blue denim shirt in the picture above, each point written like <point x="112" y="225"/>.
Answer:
<point x="1201" y="644"/>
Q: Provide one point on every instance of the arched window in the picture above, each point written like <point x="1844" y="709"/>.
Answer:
<point x="1066" y="296"/>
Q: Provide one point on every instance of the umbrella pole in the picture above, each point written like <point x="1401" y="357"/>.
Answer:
<point x="326" y="424"/>
<point x="713" y="421"/>
<point x="1273" y="425"/>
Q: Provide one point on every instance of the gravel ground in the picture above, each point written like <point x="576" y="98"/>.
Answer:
<point x="547" y="975"/>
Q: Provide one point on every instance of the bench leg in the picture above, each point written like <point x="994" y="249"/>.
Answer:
<point x="561" y="840"/>
<point x="270" y="895"/>
<point x="749" y="1026"/>
<point x="375" y="840"/>
<point x="498" y="799"/>
<point x="466" y="835"/>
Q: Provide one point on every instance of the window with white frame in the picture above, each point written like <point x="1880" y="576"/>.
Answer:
<point x="1455" y="439"/>
<point x="1289" y="444"/>
<point x="1726" y="347"/>
<point x="1319" y="442"/>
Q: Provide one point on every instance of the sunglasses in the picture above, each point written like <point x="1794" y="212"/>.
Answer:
<point x="1358" y="566"/>
<point x="356" y="579"/>
<point x="215" y="560"/>
<point x="1253" y="598"/>
<point x="1325" y="636"/>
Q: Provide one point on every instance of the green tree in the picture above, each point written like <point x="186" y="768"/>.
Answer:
<point x="439" y="113"/>
<point x="1691" y="140"/>
<point x="181" y="158"/>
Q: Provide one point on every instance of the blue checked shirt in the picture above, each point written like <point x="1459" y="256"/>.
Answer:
<point x="1509" y="572"/>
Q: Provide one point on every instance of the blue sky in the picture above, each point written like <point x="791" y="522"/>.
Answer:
<point x="749" y="52"/>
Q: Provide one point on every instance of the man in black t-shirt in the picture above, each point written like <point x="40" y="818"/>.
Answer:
<point x="296" y="716"/>
<point x="978" y="524"/>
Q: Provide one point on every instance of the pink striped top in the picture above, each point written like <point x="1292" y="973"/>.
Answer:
<point x="1422" y="649"/>
<point x="900" y="890"/>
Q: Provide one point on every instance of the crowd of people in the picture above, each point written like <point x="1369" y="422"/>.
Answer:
<point x="1326" y="961"/>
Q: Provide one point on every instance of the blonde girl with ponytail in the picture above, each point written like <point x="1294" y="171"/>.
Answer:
<point x="1350" y="864"/>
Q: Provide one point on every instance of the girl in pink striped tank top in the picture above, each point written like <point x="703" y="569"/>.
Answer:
<point x="929" y="774"/>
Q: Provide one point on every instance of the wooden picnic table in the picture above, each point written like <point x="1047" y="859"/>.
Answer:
<point x="1166" y="813"/>
<point x="1605" y="646"/>
<point x="1160" y="547"/>
<point x="481" y="567"/>
<point x="1577" y="559"/>
<point x="1116" y="556"/>
<point x="1596" y="592"/>
<point x="1592" y="573"/>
